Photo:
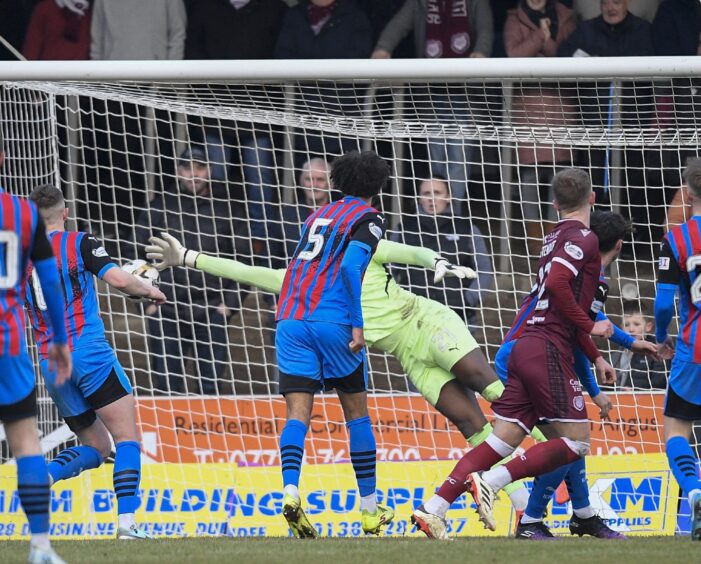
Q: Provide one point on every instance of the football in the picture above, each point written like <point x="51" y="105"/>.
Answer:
<point x="142" y="269"/>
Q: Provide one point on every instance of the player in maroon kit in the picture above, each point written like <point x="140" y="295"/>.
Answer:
<point x="542" y="386"/>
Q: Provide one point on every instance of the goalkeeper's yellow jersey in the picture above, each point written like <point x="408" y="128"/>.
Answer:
<point x="386" y="306"/>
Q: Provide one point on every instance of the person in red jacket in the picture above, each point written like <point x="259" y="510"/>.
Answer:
<point x="58" y="32"/>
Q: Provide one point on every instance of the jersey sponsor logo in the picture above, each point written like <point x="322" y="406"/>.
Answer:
<point x="100" y="252"/>
<point x="597" y="306"/>
<point x="664" y="263"/>
<point x="376" y="230"/>
<point x="578" y="403"/>
<point x="574" y="251"/>
<point x="542" y="304"/>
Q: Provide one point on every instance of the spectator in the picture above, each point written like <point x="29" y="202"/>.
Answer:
<point x="589" y="9"/>
<point x="635" y="370"/>
<point x="458" y="240"/>
<point x="325" y="29"/>
<point x="197" y="212"/>
<point x="676" y="30"/>
<point x="379" y="14"/>
<point x="137" y="30"/>
<point x="314" y="191"/>
<point x="500" y="11"/>
<point x="57" y="33"/>
<point x="242" y="29"/>
<point x="535" y="29"/>
<point x="450" y="29"/>
<point x="679" y="210"/>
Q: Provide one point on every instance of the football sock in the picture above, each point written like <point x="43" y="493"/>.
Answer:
<point x="537" y="460"/>
<point x="683" y="464"/>
<point x="126" y="476"/>
<point x="33" y="492"/>
<point x="292" y="451"/>
<point x="479" y="437"/>
<point x="518" y="494"/>
<point x="363" y="453"/>
<point x="479" y="458"/>
<point x="72" y="461"/>
<point x="576" y="481"/>
<point x="538" y="435"/>
<point x="493" y="391"/>
<point x="544" y="487"/>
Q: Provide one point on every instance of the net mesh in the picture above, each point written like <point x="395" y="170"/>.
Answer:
<point x="210" y="394"/>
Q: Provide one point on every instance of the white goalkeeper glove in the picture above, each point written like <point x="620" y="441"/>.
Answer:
<point x="167" y="252"/>
<point x="443" y="268"/>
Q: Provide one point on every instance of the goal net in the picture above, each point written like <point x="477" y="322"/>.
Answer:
<point x="233" y="166"/>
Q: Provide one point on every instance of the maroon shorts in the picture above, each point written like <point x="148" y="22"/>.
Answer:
<point x="542" y="385"/>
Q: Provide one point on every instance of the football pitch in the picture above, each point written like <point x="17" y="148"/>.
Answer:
<point x="377" y="550"/>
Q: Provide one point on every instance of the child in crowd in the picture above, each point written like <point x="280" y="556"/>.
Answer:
<point x="636" y="371"/>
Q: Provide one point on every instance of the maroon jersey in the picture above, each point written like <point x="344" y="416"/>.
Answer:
<point x="569" y="258"/>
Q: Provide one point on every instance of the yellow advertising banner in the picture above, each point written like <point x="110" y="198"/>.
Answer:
<point x="635" y="493"/>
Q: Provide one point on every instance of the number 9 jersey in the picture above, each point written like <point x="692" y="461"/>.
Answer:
<point x="680" y="268"/>
<point x="313" y="288"/>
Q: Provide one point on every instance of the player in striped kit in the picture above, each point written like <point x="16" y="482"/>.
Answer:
<point x="679" y="273"/>
<point x="319" y="339"/>
<point x="97" y="401"/>
<point x="23" y="238"/>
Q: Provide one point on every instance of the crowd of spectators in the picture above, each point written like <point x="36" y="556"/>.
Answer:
<point x="337" y="29"/>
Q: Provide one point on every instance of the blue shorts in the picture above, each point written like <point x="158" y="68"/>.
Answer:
<point x="92" y="366"/>
<point x="317" y="351"/>
<point x="685" y="380"/>
<point x="501" y="360"/>
<point x="17" y="378"/>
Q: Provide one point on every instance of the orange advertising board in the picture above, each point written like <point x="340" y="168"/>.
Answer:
<point x="246" y="429"/>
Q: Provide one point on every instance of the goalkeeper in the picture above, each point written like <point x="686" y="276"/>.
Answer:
<point x="431" y="342"/>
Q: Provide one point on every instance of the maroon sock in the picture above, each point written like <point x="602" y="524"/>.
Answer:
<point x="541" y="459"/>
<point x="479" y="458"/>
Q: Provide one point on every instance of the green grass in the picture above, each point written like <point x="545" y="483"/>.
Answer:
<point x="665" y="550"/>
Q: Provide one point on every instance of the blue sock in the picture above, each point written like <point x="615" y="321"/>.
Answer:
<point x="33" y="491"/>
<point x="363" y="452"/>
<point x="576" y="480"/>
<point x="72" y="461"/>
<point x="127" y="475"/>
<point x="683" y="463"/>
<point x="544" y="487"/>
<point x="291" y="451"/>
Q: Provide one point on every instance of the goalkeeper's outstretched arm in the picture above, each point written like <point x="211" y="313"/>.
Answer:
<point x="167" y="252"/>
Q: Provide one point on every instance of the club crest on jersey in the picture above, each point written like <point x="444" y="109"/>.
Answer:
<point x="574" y="251"/>
<point x="99" y="252"/>
<point x="664" y="263"/>
<point x="578" y="403"/>
<point x="376" y="230"/>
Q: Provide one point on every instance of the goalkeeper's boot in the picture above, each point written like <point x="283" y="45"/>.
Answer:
<point x="593" y="526"/>
<point x="372" y="523"/>
<point x="132" y="533"/>
<point x="533" y="531"/>
<point x="433" y="526"/>
<point x="484" y="497"/>
<point x="299" y="525"/>
<point x="44" y="556"/>
<point x="696" y="516"/>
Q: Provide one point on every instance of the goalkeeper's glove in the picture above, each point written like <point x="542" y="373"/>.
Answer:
<point x="167" y="251"/>
<point x="443" y="268"/>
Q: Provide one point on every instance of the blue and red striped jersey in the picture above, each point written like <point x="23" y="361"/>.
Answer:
<point x="19" y="220"/>
<point x="312" y="288"/>
<point x="680" y="264"/>
<point x="80" y="257"/>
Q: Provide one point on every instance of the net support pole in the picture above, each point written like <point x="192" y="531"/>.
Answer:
<point x="506" y="184"/>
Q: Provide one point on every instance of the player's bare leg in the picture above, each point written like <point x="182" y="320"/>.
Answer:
<point x="299" y="410"/>
<point x="119" y="417"/>
<point x="473" y="371"/>
<point x="32" y="485"/>
<point x="363" y="454"/>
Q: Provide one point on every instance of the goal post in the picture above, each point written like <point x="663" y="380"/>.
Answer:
<point x="117" y="138"/>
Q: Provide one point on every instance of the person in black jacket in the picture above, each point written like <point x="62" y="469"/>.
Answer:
<point x="637" y="371"/>
<point x="197" y="212"/>
<point x="457" y="239"/>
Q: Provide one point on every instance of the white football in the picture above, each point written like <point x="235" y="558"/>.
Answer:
<point x="143" y="270"/>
